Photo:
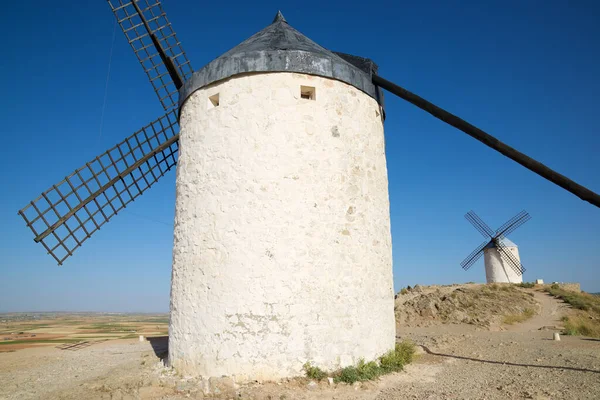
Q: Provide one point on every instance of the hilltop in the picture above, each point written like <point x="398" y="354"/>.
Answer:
<point x="474" y="304"/>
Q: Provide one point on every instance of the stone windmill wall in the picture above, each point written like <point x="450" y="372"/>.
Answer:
<point x="498" y="270"/>
<point x="282" y="248"/>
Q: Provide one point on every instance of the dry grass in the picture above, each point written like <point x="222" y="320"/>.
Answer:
<point x="585" y="319"/>
<point x="581" y="324"/>
<point x="510" y="319"/>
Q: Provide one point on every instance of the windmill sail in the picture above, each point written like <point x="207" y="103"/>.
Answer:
<point x="474" y="256"/>
<point x="496" y="239"/>
<point x="509" y="257"/>
<point x="533" y="165"/>
<point x="156" y="46"/>
<point x="68" y="213"/>
<point x="512" y="224"/>
<point x="478" y="223"/>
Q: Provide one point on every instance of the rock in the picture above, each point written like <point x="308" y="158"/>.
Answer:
<point x="312" y="385"/>
<point x="417" y="288"/>
<point x="330" y="381"/>
<point x="427" y="307"/>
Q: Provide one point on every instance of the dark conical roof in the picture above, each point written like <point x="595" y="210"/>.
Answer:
<point x="281" y="48"/>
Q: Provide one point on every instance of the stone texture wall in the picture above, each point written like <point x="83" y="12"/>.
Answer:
<point x="282" y="249"/>
<point x="499" y="271"/>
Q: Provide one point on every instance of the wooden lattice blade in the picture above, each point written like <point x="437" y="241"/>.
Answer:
<point x="509" y="257"/>
<point x="512" y="224"/>
<point x="478" y="223"/>
<point x="67" y="214"/>
<point x="145" y="49"/>
<point x="474" y="256"/>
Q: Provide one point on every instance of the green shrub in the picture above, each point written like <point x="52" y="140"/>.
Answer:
<point x="554" y="286"/>
<point x="526" y="285"/>
<point x="395" y="360"/>
<point x="392" y="361"/>
<point x="313" y="372"/>
<point x="348" y="375"/>
<point x="404" y="291"/>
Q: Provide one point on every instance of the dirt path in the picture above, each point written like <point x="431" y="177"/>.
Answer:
<point x="548" y="316"/>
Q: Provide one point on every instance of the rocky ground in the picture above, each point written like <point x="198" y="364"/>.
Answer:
<point x="471" y="304"/>
<point x="466" y="359"/>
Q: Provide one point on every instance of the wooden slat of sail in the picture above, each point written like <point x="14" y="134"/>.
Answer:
<point x="145" y="50"/>
<point x="68" y="213"/>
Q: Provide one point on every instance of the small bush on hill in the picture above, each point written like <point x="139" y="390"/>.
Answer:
<point x="526" y="285"/>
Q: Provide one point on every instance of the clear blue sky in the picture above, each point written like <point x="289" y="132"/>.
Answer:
<point x="525" y="71"/>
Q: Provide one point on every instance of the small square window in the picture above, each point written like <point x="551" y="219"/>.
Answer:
<point x="308" y="93"/>
<point x="213" y="101"/>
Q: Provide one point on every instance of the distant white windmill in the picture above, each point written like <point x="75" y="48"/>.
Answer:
<point x="502" y="261"/>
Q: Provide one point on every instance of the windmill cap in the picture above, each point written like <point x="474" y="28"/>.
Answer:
<point x="281" y="48"/>
<point x="506" y="241"/>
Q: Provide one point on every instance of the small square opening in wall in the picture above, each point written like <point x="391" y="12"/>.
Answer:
<point x="213" y="101"/>
<point x="308" y="93"/>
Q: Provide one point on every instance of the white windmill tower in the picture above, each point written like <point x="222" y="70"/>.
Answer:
<point x="282" y="247"/>
<point x="282" y="250"/>
<point x="501" y="256"/>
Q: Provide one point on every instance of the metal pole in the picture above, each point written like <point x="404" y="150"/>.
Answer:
<point x="580" y="191"/>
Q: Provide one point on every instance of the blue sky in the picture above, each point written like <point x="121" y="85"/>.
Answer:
<point x="526" y="72"/>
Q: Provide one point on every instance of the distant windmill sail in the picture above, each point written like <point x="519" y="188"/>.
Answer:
<point x="496" y="242"/>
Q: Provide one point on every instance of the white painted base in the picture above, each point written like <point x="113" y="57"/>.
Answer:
<point x="497" y="270"/>
<point x="282" y="243"/>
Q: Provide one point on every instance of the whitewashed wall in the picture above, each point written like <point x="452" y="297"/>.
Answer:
<point x="497" y="270"/>
<point x="282" y="249"/>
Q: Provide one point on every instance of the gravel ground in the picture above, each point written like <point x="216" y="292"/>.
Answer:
<point x="457" y="362"/>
